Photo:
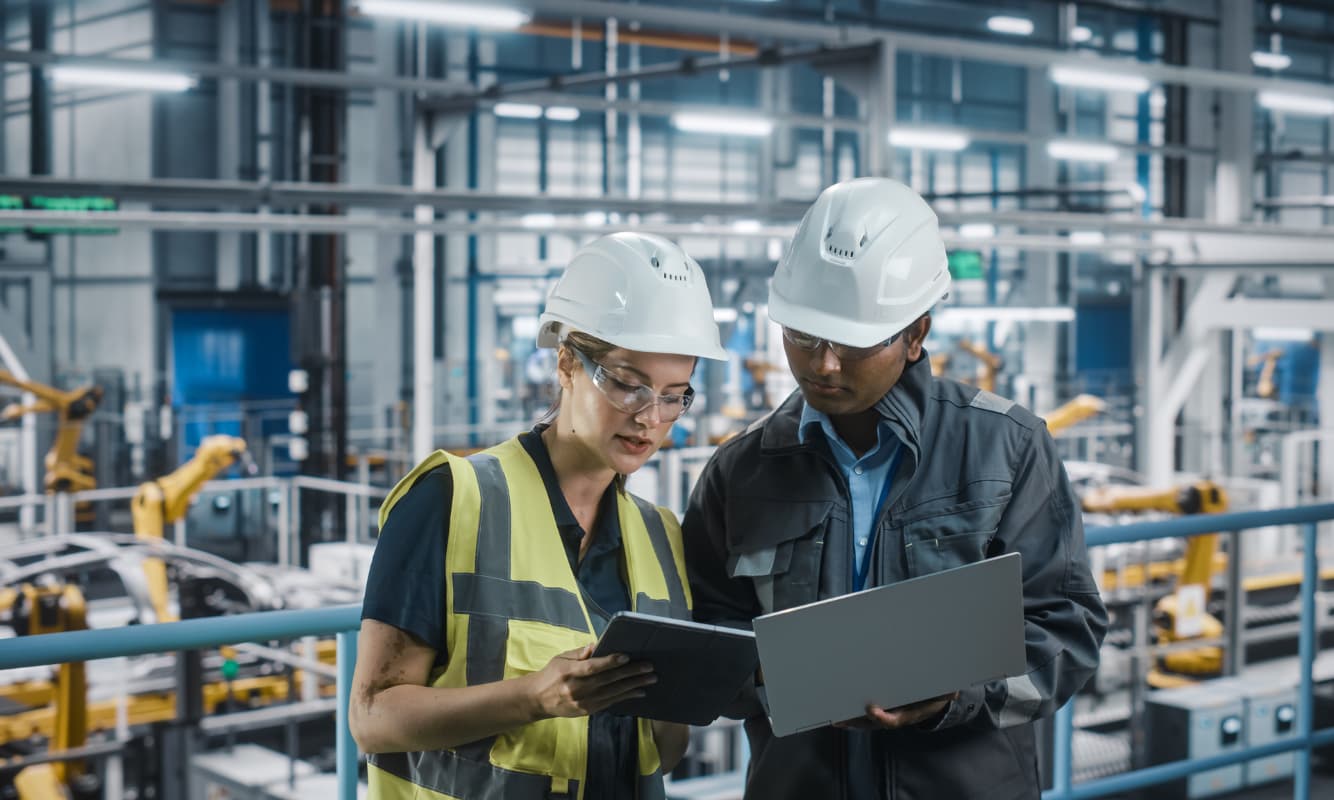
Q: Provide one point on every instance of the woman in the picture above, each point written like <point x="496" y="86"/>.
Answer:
<point x="494" y="574"/>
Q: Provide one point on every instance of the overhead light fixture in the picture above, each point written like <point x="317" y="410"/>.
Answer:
<point x="516" y="296"/>
<point x="747" y="226"/>
<point x="517" y="110"/>
<point x="928" y="139"/>
<point x="464" y="15"/>
<point x="1274" y="61"/>
<point x="1072" y="150"/>
<point x="1094" y="79"/>
<point x="595" y="218"/>
<point x="537" y="220"/>
<point x="1283" y="334"/>
<point x="724" y="315"/>
<point x="1080" y="34"/>
<point x="722" y="123"/>
<point x="1014" y="26"/>
<point x="562" y="113"/>
<point x="1296" y="103"/>
<point x="977" y="230"/>
<point x="147" y="79"/>
<point x="956" y="314"/>
<point x="1087" y="238"/>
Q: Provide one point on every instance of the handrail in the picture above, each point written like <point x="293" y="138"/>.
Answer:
<point x="192" y="634"/>
<point x="343" y="621"/>
<point x="1197" y="524"/>
<point x="1305" y="738"/>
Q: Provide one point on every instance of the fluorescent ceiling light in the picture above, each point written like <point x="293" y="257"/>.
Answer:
<point x="537" y="220"/>
<point x="595" y="218"/>
<point x="977" y="230"/>
<point x="466" y="15"/>
<point x="1070" y="150"/>
<point x="1274" y="61"/>
<point x="722" y="123"/>
<point x="927" y="139"/>
<point x="1283" y="334"/>
<point x="516" y="296"/>
<point x="1080" y="34"/>
<point x="1296" y="103"/>
<point x="148" y="79"/>
<point x="724" y="314"/>
<point x="562" y="113"/>
<point x="1015" y="26"/>
<point x="517" y="110"/>
<point x="1093" y="79"/>
<point x="747" y="226"/>
<point x="1007" y="314"/>
<point x="1087" y="237"/>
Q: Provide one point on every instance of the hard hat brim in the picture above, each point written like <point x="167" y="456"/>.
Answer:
<point x="834" y="328"/>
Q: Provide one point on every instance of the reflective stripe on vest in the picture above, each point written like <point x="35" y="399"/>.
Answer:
<point x="510" y="611"/>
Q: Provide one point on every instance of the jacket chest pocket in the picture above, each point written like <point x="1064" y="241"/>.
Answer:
<point x="952" y="537"/>
<point x="782" y="556"/>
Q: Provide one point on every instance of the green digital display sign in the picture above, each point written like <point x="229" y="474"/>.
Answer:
<point x="966" y="265"/>
<point x="60" y="203"/>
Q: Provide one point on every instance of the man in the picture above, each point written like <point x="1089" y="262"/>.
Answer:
<point x="876" y="472"/>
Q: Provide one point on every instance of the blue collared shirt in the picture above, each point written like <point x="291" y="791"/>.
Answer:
<point x="868" y="477"/>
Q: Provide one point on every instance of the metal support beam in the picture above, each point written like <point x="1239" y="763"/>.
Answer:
<point x="423" y="300"/>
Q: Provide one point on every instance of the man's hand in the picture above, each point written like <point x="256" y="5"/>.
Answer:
<point x="878" y="718"/>
<point x="573" y="684"/>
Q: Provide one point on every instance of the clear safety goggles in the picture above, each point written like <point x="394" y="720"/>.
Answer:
<point x="634" y="398"/>
<point x="844" y="352"/>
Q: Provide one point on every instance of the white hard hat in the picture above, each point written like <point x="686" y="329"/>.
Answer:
<point x="636" y="291"/>
<point x="866" y="261"/>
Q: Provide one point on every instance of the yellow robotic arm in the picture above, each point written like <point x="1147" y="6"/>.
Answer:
<point x="165" y="500"/>
<point x="66" y="470"/>
<point x="1075" y="411"/>
<point x="1201" y="497"/>
<point x="991" y="364"/>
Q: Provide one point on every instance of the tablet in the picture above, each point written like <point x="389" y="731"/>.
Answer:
<point x="700" y="668"/>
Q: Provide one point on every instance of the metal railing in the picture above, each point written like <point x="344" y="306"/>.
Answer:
<point x="1305" y="739"/>
<point x="342" y="621"/>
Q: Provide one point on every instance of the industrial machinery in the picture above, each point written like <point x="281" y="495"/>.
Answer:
<point x="988" y="368"/>
<point x="1268" y="363"/>
<point x="1073" y="412"/>
<point x="66" y="470"/>
<point x="35" y="609"/>
<point x="166" y="500"/>
<point x="1173" y="621"/>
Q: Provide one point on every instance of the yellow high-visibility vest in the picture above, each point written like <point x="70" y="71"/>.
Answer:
<point x="514" y="603"/>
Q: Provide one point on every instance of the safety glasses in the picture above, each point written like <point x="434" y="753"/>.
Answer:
<point x="634" y="398"/>
<point x="844" y="352"/>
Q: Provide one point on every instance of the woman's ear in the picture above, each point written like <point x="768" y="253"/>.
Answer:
<point x="565" y="367"/>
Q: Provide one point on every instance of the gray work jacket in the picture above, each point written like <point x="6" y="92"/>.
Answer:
<point x="769" y="527"/>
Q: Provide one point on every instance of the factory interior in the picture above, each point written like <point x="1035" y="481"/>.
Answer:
<point x="258" y="258"/>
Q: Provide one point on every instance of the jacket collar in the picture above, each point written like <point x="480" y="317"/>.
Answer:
<point x="902" y="407"/>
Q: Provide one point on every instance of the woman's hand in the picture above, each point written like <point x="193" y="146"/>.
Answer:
<point x="574" y="684"/>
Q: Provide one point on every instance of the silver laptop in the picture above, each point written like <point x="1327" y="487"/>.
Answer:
<point x="892" y="645"/>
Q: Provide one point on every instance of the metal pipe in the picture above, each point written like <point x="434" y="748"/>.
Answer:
<point x="59" y="648"/>
<point x="334" y="223"/>
<point x="1062" y="765"/>
<point x="1207" y="523"/>
<point x="1306" y="647"/>
<point x="345" y="747"/>
<point x="310" y="78"/>
<point x="423" y="298"/>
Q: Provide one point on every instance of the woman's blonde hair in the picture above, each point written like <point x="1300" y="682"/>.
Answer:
<point x="591" y="346"/>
